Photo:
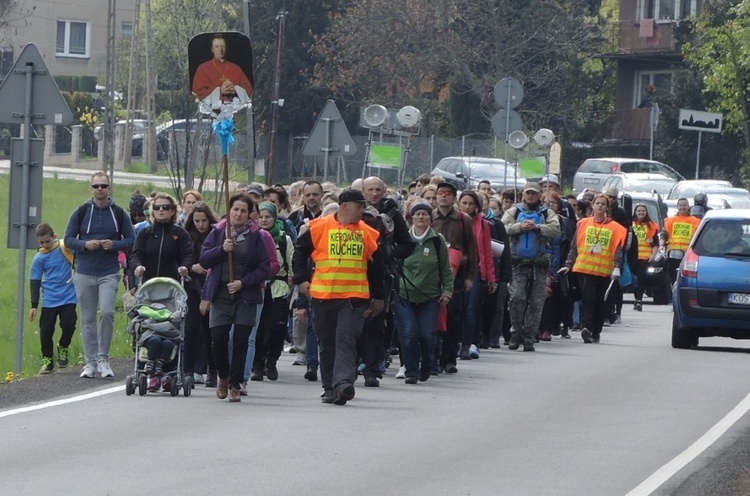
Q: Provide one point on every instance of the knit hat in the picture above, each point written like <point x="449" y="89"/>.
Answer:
<point x="270" y="207"/>
<point x="420" y="206"/>
<point x="137" y="203"/>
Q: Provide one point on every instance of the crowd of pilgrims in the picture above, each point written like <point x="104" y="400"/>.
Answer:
<point x="452" y="265"/>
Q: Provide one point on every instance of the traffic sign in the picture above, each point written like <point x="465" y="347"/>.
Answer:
<point x="15" y="208"/>
<point x="508" y="93"/>
<point x="695" y="120"/>
<point x="47" y="106"/>
<point x="329" y="137"/>
<point x="505" y="122"/>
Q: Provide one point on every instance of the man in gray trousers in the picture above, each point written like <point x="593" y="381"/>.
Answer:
<point x="96" y="232"/>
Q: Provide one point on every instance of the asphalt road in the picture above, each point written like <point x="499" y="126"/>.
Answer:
<point x="569" y="419"/>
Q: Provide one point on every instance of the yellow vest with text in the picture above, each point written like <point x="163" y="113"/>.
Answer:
<point x="341" y="254"/>
<point x="681" y="229"/>
<point x="645" y="234"/>
<point x="608" y="235"/>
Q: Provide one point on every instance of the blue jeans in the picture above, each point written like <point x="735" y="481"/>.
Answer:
<point x="417" y="329"/>
<point x="469" y="332"/>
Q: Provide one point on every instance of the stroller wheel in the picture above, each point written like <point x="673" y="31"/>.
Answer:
<point x="142" y="384"/>
<point x="129" y="385"/>
<point x="187" y="386"/>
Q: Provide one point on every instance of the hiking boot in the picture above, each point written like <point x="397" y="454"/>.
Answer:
<point x="222" y="389"/>
<point x="234" y="394"/>
<point x="311" y="374"/>
<point x="271" y="371"/>
<point x="62" y="356"/>
<point x="148" y="369"/>
<point x="586" y="335"/>
<point x="47" y="366"/>
<point x="344" y="392"/>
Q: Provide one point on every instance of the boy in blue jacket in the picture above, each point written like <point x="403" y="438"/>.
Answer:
<point x="52" y="272"/>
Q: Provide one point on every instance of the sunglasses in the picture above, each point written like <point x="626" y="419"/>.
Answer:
<point x="162" y="207"/>
<point x="100" y="186"/>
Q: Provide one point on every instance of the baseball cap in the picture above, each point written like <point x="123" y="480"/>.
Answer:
<point x="448" y="185"/>
<point x="550" y="178"/>
<point x="255" y="189"/>
<point x="532" y="187"/>
<point x="351" y="195"/>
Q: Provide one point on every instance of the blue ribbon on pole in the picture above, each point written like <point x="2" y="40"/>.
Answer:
<point x="224" y="128"/>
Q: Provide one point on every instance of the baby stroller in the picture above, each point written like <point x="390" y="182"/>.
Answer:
<point x="160" y="309"/>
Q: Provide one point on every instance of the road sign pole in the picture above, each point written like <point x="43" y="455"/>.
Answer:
<point x="698" y="155"/>
<point x="24" y="220"/>
<point x="327" y="149"/>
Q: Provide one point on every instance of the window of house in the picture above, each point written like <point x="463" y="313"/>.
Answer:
<point x="659" y="82"/>
<point x="668" y="9"/>
<point x="127" y="29"/>
<point x="6" y="61"/>
<point x="73" y="39"/>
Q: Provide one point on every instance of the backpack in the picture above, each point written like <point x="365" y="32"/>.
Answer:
<point x="529" y="245"/>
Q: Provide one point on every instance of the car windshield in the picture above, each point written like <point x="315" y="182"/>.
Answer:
<point x="721" y="237"/>
<point x="662" y="186"/>
<point x="597" y="166"/>
<point x="487" y="170"/>
<point x="690" y="190"/>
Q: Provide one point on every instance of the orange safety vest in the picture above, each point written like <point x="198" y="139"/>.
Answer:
<point x="341" y="254"/>
<point x="681" y="229"/>
<point x="645" y="234"/>
<point x="597" y="244"/>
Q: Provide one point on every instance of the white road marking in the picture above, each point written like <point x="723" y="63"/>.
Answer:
<point x="50" y="404"/>
<point x="680" y="461"/>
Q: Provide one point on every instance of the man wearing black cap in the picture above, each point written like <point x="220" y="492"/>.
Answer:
<point x="530" y="227"/>
<point x="458" y="230"/>
<point x="348" y="274"/>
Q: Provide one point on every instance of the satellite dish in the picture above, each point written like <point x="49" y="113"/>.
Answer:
<point x="408" y="116"/>
<point x="375" y="115"/>
<point x="518" y="139"/>
<point x="544" y="137"/>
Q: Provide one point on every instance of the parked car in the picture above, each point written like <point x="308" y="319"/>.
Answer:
<point x="466" y="172"/>
<point x="139" y="127"/>
<point x="718" y="198"/>
<point x="166" y="132"/>
<point x="711" y="296"/>
<point x="593" y="172"/>
<point x="655" y="280"/>
<point x="690" y="187"/>
<point x="640" y="182"/>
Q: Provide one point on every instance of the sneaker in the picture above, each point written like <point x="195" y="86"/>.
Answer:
<point x="311" y="374"/>
<point x="198" y="379"/>
<point x="401" y="374"/>
<point x="528" y="347"/>
<point x="154" y="384"/>
<point x="371" y="381"/>
<point x="411" y="380"/>
<point x="299" y="361"/>
<point x="62" y="356"/>
<point x="464" y="354"/>
<point x="148" y="369"/>
<point x="328" y="396"/>
<point x="104" y="369"/>
<point x="256" y="375"/>
<point x="292" y="349"/>
<point x="586" y="335"/>
<point x="473" y="351"/>
<point x="451" y="368"/>
<point x="47" y="367"/>
<point x="360" y="369"/>
<point x="515" y="343"/>
<point x="89" y="371"/>
<point x="243" y="389"/>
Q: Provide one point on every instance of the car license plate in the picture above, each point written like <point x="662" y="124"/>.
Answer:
<point x="739" y="298"/>
<point x="590" y="180"/>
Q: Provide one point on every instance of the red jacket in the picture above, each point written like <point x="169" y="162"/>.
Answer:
<point x="484" y="246"/>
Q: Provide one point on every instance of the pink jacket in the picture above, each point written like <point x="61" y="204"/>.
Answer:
<point x="484" y="246"/>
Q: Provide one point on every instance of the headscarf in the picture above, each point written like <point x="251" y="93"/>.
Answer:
<point x="277" y="230"/>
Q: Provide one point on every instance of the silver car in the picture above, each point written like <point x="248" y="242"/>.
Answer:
<point x="466" y="172"/>
<point x="593" y="172"/>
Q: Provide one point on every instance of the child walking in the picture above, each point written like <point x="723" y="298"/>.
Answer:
<point x="52" y="272"/>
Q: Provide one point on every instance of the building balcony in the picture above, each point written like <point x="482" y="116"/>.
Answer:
<point x="647" y="38"/>
<point x="632" y="125"/>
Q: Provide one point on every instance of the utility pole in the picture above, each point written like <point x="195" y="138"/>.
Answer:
<point x="150" y="141"/>
<point x="134" y="38"/>
<point x="275" y="103"/>
<point x="249" y="111"/>
<point x="109" y="111"/>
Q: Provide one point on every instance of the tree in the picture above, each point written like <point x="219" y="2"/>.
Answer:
<point x="721" y="52"/>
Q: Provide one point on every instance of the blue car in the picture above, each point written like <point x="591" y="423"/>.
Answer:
<point x="711" y="296"/>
